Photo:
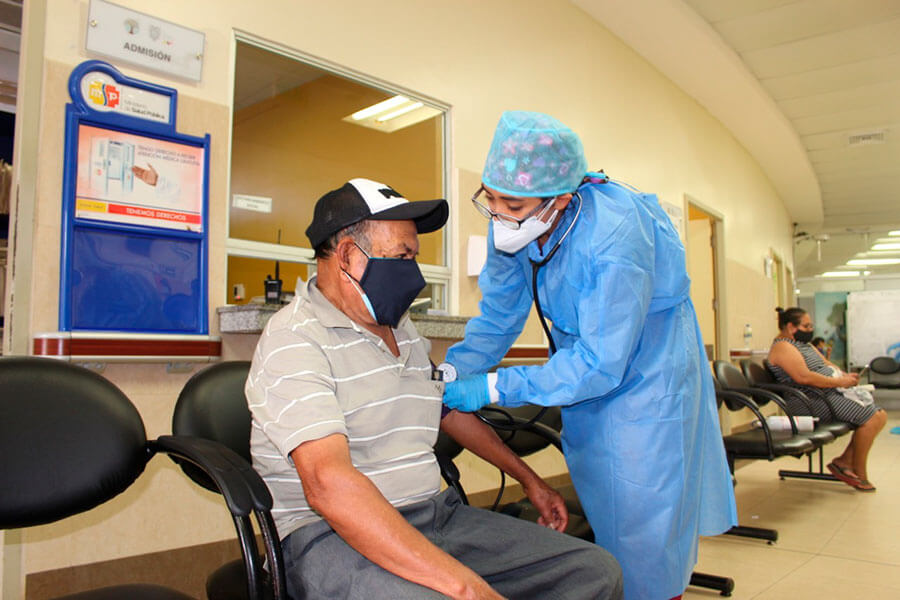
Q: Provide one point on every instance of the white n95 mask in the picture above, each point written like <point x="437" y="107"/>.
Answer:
<point x="512" y="240"/>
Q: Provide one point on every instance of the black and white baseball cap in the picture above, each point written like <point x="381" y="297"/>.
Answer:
<point x="360" y="199"/>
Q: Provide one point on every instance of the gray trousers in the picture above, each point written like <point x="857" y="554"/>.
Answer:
<point x="519" y="559"/>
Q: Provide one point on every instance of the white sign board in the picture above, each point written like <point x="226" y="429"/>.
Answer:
<point x="676" y="215"/>
<point x="257" y="203"/>
<point x="477" y="254"/>
<point x="873" y="325"/>
<point x="139" y="39"/>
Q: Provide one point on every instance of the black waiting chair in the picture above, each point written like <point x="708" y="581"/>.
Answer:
<point x="884" y="372"/>
<point x="212" y="406"/>
<point x="526" y="433"/>
<point x="732" y="379"/>
<point x="71" y="440"/>
<point x="759" y="376"/>
<point x="757" y="444"/>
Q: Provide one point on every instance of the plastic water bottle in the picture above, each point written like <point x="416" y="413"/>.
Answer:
<point x="748" y="336"/>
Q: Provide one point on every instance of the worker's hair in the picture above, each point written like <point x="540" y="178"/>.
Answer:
<point x="359" y="231"/>
<point x="791" y="315"/>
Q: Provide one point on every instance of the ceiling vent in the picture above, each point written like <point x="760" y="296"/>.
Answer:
<point x="867" y="137"/>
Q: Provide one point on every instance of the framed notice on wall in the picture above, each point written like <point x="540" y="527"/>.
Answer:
<point x="135" y="192"/>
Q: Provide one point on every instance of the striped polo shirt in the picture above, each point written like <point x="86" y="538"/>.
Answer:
<point x="315" y="373"/>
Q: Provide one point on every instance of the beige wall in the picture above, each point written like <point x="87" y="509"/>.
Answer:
<point x="478" y="57"/>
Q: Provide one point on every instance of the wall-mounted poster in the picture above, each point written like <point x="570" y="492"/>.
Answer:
<point x="134" y="239"/>
<point x="127" y="178"/>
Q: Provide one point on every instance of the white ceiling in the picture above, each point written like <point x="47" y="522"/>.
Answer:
<point x="793" y="80"/>
<point x="260" y="74"/>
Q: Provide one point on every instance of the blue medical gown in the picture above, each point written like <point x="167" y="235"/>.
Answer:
<point x="640" y="427"/>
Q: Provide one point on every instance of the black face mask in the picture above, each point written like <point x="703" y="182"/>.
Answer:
<point x="804" y="337"/>
<point x="389" y="286"/>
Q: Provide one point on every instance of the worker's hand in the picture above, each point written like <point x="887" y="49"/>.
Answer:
<point x="468" y="393"/>
<point x="549" y="503"/>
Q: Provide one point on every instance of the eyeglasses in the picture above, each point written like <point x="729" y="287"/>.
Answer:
<point x="506" y="220"/>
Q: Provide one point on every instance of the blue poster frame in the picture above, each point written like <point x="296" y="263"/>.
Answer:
<point x="78" y="113"/>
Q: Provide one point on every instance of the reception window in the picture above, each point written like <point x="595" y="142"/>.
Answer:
<point x="300" y="129"/>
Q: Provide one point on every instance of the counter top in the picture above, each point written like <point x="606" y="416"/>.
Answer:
<point x="252" y="318"/>
<point x="245" y="318"/>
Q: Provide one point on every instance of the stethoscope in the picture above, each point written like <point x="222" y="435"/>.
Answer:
<point x="508" y="423"/>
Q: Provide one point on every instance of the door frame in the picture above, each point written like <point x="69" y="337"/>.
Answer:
<point x="717" y="221"/>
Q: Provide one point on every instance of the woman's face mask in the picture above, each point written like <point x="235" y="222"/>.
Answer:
<point x="388" y="287"/>
<point x="804" y="337"/>
<point x="512" y="240"/>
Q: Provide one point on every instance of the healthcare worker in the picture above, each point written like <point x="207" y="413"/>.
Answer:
<point x="640" y="426"/>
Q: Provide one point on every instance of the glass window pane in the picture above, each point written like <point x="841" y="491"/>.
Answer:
<point x="292" y="144"/>
<point x="434" y="291"/>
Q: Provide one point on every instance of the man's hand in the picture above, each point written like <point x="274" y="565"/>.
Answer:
<point x="467" y="394"/>
<point x="549" y="503"/>
<point x="480" y="590"/>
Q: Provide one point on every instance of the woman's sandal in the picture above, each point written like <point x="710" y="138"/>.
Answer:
<point x="864" y="485"/>
<point x="844" y="475"/>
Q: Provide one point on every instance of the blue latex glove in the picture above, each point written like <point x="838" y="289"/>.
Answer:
<point x="468" y="393"/>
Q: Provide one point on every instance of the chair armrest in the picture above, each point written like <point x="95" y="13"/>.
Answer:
<point x="244" y="492"/>
<point x="450" y="473"/>
<point x="783" y="390"/>
<point x="243" y="488"/>
<point x="539" y="429"/>
<point x="509" y="422"/>
<point x="746" y="402"/>
<point x="758" y="392"/>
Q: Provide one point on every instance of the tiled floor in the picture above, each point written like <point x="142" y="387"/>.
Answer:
<point x="833" y="542"/>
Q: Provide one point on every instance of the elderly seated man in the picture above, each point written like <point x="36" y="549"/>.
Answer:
<point x="345" y="417"/>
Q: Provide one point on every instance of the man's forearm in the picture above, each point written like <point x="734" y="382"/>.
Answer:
<point x="477" y="437"/>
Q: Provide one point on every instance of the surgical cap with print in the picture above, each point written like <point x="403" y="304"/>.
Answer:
<point x="533" y="154"/>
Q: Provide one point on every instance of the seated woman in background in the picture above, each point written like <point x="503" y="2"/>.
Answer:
<point x="819" y="344"/>
<point x="795" y="362"/>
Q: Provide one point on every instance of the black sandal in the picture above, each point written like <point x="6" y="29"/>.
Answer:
<point x="864" y="482"/>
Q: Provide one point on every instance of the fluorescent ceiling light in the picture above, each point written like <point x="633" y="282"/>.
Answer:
<point x="381" y="107"/>
<point x="393" y="114"/>
<point x="840" y="274"/>
<point x="878" y="253"/>
<point x="888" y="246"/>
<point x="400" y="111"/>
<point x="865" y="262"/>
<point x="895" y="232"/>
